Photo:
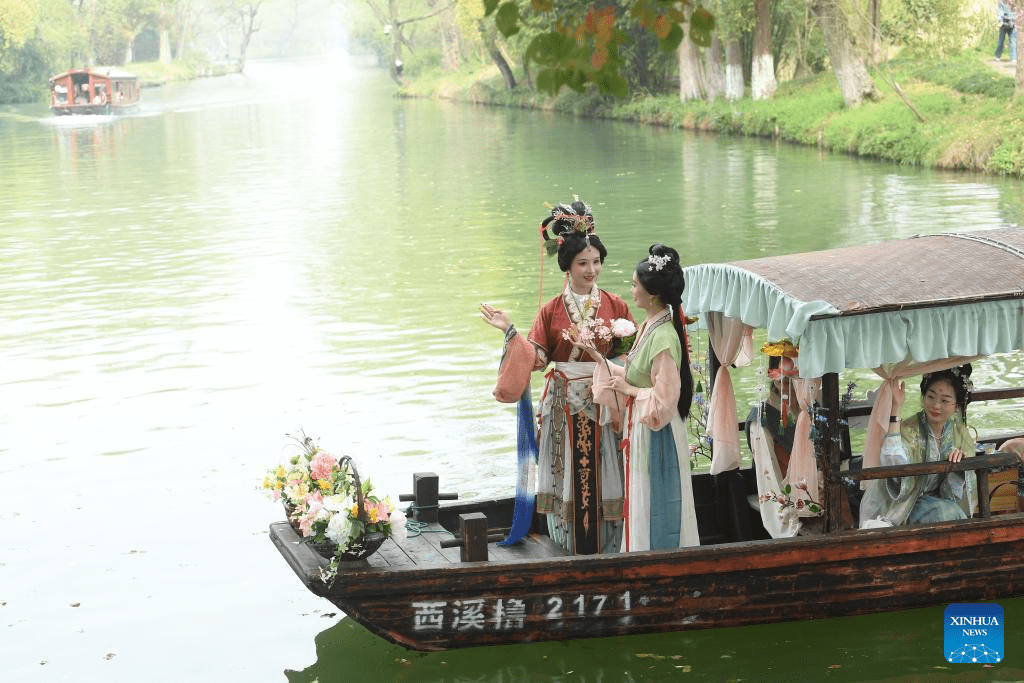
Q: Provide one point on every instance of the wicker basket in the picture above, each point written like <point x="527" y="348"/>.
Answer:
<point x="369" y="542"/>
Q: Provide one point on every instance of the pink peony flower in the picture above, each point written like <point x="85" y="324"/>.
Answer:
<point x="322" y="465"/>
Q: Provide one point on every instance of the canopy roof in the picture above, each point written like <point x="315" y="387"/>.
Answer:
<point x="925" y="297"/>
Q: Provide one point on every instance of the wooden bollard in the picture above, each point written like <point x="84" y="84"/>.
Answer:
<point x="473" y="529"/>
<point x="424" y="496"/>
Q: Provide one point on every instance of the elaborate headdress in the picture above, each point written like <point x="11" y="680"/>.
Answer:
<point x="566" y="219"/>
<point x="787" y="353"/>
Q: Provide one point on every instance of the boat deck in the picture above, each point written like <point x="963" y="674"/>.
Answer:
<point x="422" y="550"/>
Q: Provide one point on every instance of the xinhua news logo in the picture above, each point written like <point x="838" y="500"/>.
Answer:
<point x="973" y="633"/>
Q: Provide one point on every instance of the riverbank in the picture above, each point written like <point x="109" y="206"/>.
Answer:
<point x="963" y="116"/>
<point x="153" y="74"/>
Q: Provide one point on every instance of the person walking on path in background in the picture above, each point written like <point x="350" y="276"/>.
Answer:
<point x="1007" y="29"/>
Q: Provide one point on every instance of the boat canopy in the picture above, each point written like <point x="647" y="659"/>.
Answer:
<point x="922" y="298"/>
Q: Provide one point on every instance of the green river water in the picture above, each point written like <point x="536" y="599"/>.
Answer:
<point x="297" y="249"/>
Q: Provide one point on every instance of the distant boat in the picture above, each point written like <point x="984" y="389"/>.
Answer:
<point x="96" y="90"/>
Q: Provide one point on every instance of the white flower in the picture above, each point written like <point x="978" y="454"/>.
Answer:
<point x="339" y="529"/>
<point x="339" y="503"/>
<point x="623" y="327"/>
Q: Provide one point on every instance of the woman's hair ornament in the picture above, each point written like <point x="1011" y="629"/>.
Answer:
<point x="564" y="220"/>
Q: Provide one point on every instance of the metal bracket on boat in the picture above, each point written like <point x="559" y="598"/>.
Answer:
<point x="425" y="497"/>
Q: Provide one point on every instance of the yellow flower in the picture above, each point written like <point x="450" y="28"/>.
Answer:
<point x="323" y="484"/>
<point x="783" y="348"/>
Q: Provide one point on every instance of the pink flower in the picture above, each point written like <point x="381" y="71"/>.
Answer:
<point x="322" y="465"/>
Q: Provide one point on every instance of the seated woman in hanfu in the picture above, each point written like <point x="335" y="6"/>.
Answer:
<point x="938" y="432"/>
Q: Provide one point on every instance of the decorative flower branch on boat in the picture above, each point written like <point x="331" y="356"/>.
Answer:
<point x="700" y="444"/>
<point x="328" y="504"/>
<point x="786" y="499"/>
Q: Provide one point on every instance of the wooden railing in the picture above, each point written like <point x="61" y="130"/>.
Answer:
<point x="981" y="464"/>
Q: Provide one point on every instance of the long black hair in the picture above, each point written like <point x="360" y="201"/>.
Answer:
<point x="661" y="274"/>
<point x="570" y="230"/>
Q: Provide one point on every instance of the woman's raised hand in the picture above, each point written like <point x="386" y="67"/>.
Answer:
<point x="495" y="317"/>
<point x="899" y="394"/>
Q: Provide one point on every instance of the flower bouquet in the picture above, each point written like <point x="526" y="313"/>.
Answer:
<point x="619" y="333"/>
<point x="329" y="505"/>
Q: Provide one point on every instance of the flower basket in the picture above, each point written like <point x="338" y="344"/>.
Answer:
<point x="330" y="506"/>
<point x="365" y="545"/>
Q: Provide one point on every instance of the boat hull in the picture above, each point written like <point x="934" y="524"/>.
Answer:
<point x="735" y="584"/>
<point x="94" y="109"/>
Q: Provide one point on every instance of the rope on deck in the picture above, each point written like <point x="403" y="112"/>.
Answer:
<point x="414" y="528"/>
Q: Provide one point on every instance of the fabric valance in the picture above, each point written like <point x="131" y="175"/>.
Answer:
<point x="831" y="341"/>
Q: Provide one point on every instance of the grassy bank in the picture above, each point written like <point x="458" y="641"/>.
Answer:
<point x="158" y="73"/>
<point x="970" y="120"/>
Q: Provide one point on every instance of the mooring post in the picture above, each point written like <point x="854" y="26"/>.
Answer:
<point x="473" y="529"/>
<point x="424" y="489"/>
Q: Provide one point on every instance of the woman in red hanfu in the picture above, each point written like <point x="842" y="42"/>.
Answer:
<point x="579" y="464"/>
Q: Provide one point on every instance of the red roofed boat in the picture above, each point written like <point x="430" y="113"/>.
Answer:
<point x="96" y="90"/>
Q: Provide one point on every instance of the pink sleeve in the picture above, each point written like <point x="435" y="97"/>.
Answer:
<point x="517" y="362"/>
<point x="655" y="407"/>
<point x="612" y="400"/>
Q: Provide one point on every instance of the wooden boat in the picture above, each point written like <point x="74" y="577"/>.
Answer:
<point x="96" y="90"/>
<point x="435" y="590"/>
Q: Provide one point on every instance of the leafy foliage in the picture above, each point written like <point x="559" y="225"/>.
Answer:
<point x="582" y="43"/>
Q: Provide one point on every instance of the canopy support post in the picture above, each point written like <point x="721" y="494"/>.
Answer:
<point x="830" y="453"/>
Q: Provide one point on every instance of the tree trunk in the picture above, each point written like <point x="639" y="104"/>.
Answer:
<point x="762" y="67"/>
<point x="451" y="41"/>
<point x="854" y="81"/>
<point x="247" y="16"/>
<point x="165" y="46"/>
<point x="487" y="31"/>
<point x="734" y="86"/>
<point x="1018" y="74"/>
<point x="715" y="69"/>
<point x="691" y="72"/>
<point x="876" y="32"/>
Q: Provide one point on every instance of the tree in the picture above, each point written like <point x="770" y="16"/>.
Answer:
<point x="114" y="24"/>
<point x="762" y="66"/>
<point x="17" y="24"/>
<point x="487" y="34"/>
<point x="854" y="81"/>
<point x="451" y="41"/>
<point x="241" y="15"/>
<point x="692" y="77"/>
<point x="581" y="43"/>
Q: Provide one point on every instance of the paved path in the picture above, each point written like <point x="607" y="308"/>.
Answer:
<point x="1005" y="67"/>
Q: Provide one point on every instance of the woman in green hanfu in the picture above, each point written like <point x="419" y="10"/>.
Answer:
<point x="938" y="432"/>
<point x="655" y="388"/>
